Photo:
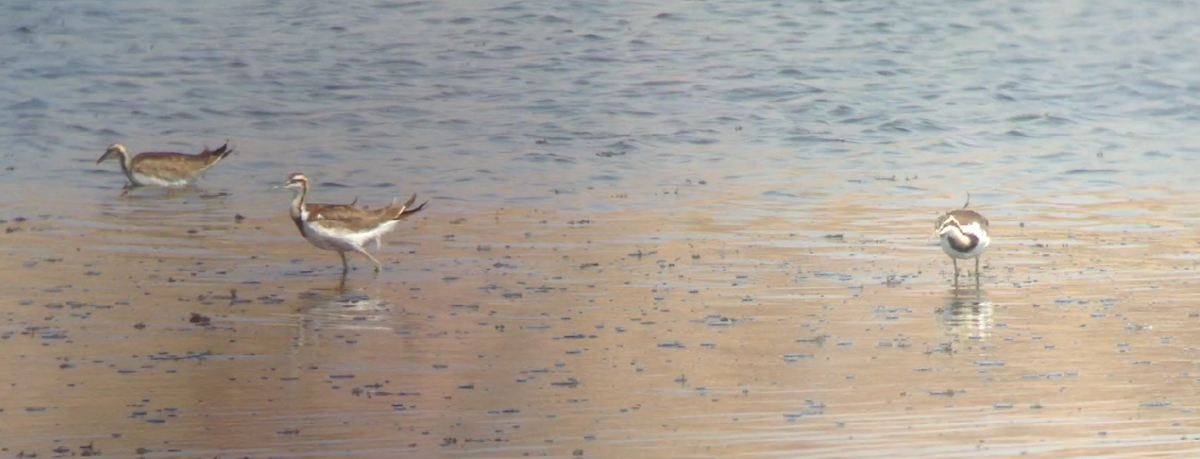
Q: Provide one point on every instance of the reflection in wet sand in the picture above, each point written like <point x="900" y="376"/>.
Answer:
<point x="343" y="308"/>
<point x="166" y="221"/>
<point x="967" y="314"/>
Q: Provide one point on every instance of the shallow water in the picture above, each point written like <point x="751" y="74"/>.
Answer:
<point x="545" y="335"/>
<point x="682" y="229"/>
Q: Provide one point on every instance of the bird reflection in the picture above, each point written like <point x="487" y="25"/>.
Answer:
<point x="161" y="208"/>
<point x="967" y="314"/>
<point x="340" y="307"/>
<point x="340" y="288"/>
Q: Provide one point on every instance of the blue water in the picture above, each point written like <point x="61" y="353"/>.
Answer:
<point x="499" y="102"/>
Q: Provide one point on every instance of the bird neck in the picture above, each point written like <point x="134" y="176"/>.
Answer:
<point x="298" y="200"/>
<point x="126" y="164"/>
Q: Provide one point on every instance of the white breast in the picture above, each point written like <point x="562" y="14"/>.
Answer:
<point x="144" y="180"/>
<point x="972" y="229"/>
<point x="340" y="240"/>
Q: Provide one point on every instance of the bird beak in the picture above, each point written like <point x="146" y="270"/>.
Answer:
<point x="104" y="156"/>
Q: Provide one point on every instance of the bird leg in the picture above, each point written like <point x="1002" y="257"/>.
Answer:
<point x="345" y="266"/>
<point x="955" y="260"/>
<point x="976" y="268"/>
<point x="378" y="267"/>
<point x="341" y="288"/>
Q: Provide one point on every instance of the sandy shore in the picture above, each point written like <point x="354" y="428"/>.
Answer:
<point x="702" y="329"/>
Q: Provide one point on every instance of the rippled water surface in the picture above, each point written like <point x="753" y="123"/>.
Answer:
<point x="655" y="229"/>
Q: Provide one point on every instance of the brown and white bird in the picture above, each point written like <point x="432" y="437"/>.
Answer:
<point x="343" y="227"/>
<point x="164" y="168"/>
<point x="964" y="235"/>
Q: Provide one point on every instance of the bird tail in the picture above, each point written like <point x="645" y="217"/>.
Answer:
<point x="407" y="209"/>
<point x="218" y="154"/>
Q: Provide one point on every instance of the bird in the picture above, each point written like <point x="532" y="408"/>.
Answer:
<point x="164" y="168"/>
<point x="964" y="235"/>
<point x="343" y="227"/>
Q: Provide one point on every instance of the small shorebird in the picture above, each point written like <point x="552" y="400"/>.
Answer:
<point x="964" y="235"/>
<point x="343" y="227"/>
<point x="162" y="168"/>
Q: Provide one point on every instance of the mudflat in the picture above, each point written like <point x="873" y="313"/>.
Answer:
<point x="696" y="330"/>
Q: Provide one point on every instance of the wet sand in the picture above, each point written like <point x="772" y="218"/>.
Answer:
<point x="163" y="327"/>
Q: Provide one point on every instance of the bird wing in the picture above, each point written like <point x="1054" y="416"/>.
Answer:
<point x="967" y="217"/>
<point x="346" y="217"/>
<point x="172" y="166"/>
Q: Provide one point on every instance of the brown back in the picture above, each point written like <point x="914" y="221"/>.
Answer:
<point x="348" y="217"/>
<point x="963" y="217"/>
<point x="178" y="166"/>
